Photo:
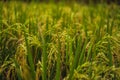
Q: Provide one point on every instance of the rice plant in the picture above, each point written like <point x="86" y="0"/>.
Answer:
<point x="59" y="41"/>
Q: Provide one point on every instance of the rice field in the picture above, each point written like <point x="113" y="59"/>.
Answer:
<point x="58" y="41"/>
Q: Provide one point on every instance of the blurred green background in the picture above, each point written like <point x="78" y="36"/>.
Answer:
<point x="80" y="1"/>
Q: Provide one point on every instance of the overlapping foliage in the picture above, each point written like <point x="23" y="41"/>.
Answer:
<point x="47" y="41"/>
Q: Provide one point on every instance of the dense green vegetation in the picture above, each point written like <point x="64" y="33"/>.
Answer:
<point x="57" y="41"/>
